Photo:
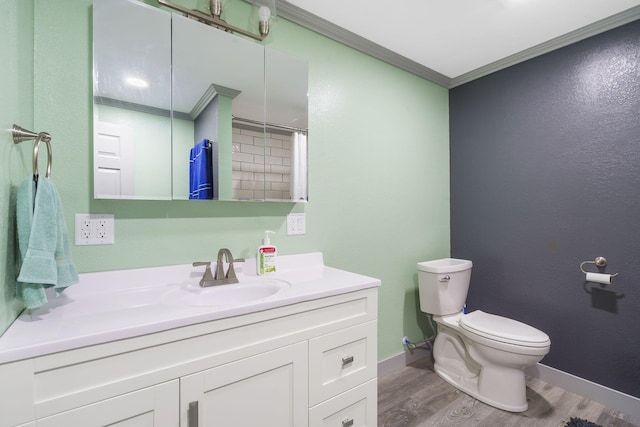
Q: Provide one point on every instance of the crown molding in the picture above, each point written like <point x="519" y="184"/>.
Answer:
<point x="321" y="26"/>
<point x="583" y="33"/>
<point x="212" y="91"/>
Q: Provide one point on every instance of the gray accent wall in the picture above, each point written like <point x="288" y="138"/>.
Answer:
<point x="545" y="174"/>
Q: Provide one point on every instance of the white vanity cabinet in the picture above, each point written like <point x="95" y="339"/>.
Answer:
<point x="312" y="363"/>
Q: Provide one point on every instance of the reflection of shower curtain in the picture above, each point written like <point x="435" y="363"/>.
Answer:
<point x="299" y="167"/>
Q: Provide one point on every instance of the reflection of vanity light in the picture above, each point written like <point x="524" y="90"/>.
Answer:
<point x="137" y="82"/>
<point x="264" y="13"/>
<point x="215" y="8"/>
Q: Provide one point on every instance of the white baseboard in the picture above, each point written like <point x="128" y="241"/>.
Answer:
<point x="627" y="404"/>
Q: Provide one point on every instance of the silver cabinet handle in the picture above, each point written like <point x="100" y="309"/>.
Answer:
<point x="192" y="414"/>
<point x="347" y="360"/>
<point x="347" y="423"/>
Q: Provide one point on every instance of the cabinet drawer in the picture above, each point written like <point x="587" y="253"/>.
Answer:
<point x="341" y="360"/>
<point x="354" y="408"/>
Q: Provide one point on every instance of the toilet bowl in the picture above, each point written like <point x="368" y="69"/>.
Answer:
<point x="488" y="364"/>
<point x="482" y="354"/>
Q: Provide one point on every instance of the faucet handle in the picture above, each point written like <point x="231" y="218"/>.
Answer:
<point x="207" y="277"/>
<point x="231" y="272"/>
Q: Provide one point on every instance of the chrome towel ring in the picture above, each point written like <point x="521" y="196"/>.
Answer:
<point x="42" y="136"/>
<point x="21" y="134"/>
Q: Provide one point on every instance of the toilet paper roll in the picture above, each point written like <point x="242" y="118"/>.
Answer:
<point x="599" y="278"/>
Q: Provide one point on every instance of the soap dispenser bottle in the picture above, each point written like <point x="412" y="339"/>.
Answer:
<point x="267" y="255"/>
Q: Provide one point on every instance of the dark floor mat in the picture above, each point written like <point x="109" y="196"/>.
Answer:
<point x="579" y="422"/>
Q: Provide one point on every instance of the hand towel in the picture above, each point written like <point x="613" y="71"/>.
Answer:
<point x="43" y="242"/>
<point x="201" y="171"/>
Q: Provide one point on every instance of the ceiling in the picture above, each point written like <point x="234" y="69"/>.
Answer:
<point x="452" y="42"/>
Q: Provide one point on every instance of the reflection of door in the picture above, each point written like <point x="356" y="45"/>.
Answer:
<point x="113" y="162"/>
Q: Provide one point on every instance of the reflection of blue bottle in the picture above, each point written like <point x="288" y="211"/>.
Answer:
<point x="464" y="309"/>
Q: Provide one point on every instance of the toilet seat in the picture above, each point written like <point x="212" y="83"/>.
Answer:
<point x="503" y="329"/>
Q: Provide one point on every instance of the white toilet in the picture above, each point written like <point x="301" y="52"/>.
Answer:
<point x="482" y="354"/>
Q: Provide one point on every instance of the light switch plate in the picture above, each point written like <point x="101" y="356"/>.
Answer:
<point x="95" y="229"/>
<point x="296" y="224"/>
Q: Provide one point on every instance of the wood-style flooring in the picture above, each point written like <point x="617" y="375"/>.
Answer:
<point x="415" y="396"/>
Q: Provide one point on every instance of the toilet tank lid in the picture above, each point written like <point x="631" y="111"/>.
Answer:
<point x="503" y="329"/>
<point x="445" y="265"/>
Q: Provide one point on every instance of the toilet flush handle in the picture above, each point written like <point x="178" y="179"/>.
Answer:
<point x="444" y="278"/>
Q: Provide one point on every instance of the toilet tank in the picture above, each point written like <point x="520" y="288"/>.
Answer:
<point x="443" y="285"/>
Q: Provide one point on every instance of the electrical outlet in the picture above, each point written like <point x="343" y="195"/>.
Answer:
<point x="95" y="229"/>
<point x="101" y="228"/>
<point x="296" y="224"/>
<point x="85" y="228"/>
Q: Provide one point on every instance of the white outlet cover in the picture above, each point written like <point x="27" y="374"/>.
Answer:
<point x="94" y="229"/>
<point x="296" y="224"/>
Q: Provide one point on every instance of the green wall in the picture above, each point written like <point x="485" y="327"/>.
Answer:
<point x="378" y="172"/>
<point x="16" y="106"/>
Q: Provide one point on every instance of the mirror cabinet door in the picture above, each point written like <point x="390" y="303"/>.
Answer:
<point x="131" y="121"/>
<point x="286" y="117"/>
<point x="217" y="76"/>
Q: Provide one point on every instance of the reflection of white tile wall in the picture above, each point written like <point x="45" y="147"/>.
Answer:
<point x="261" y="171"/>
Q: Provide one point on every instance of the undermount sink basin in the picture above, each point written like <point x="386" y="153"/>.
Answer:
<point x="248" y="290"/>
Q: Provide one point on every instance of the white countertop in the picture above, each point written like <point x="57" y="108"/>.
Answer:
<point x="120" y="304"/>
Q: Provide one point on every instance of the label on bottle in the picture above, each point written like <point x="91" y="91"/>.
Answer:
<point x="267" y="260"/>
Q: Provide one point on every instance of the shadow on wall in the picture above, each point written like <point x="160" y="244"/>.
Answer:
<point x="602" y="298"/>
<point x="420" y="346"/>
<point x="412" y="305"/>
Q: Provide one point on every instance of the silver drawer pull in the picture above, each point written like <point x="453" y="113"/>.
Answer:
<point x="192" y="414"/>
<point x="347" y="423"/>
<point x="347" y="360"/>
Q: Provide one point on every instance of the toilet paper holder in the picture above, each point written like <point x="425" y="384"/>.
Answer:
<point x="596" y="276"/>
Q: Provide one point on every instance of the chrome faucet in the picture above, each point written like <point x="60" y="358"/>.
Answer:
<point x="220" y="278"/>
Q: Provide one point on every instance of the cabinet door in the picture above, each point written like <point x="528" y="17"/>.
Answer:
<point x="154" y="406"/>
<point x="269" y="389"/>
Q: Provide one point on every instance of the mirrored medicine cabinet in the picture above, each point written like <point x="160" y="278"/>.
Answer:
<point x="164" y="83"/>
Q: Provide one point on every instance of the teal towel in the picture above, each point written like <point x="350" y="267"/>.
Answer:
<point x="43" y="242"/>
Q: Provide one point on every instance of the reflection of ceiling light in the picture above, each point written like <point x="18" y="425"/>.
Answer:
<point x="136" y="82"/>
